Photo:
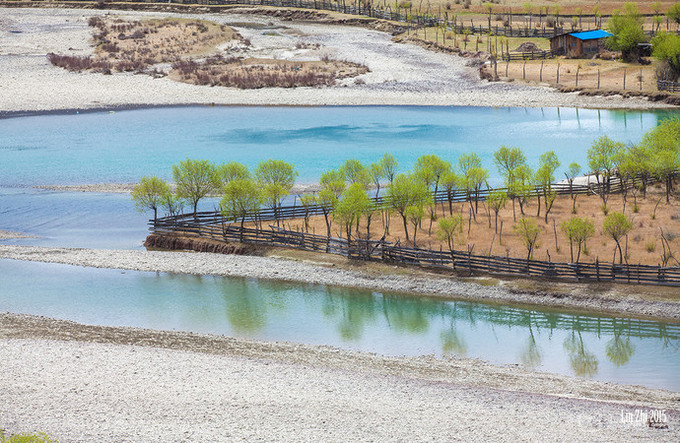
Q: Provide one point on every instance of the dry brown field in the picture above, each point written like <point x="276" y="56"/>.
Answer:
<point x="643" y="245"/>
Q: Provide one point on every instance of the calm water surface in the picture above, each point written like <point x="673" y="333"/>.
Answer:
<point x="604" y="348"/>
<point x="123" y="146"/>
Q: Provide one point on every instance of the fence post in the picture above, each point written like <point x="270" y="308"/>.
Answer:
<point x="640" y="79"/>
<point x="624" y="79"/>
<point x="597" y="268"/>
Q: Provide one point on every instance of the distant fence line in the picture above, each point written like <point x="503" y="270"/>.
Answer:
<point x="380" y="203"/>
<point x="213" y="225"/>
<point x="402" y="15"/>
<point x="663" y="85"/>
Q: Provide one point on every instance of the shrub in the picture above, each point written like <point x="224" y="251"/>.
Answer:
<point x="650" y="246"/>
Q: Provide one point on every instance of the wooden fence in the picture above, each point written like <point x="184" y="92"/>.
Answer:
<point x="663" y="85"/>
<point x="381" y="202"/>
<point x="533" y="55"/>
<point x="402" y="15"/>
<point x="459" y="261"/>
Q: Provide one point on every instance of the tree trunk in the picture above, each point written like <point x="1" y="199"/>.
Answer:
<point x="405" y="226"/>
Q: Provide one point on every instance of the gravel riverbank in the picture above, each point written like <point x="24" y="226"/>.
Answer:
<point x="400" y="74"/>
<point x="90" y="383"/>
<point x="272" y="268"/>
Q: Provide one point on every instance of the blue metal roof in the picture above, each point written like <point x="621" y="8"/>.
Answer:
<point x="591" y="35"/>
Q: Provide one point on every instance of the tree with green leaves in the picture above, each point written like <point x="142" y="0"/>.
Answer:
<point x="449" y="182"/>
<point x="172" y="204"/>
<point x="431" y="168"/>
<point x="496" y="201"/>
<point x="472" y="177"/>
<point x="578" y="230"/>
<point x="666" y="49"/>
<point x="353" y="204"/>
<point x="521" y="187"/>
<point x="195" y="180"/>
<point x="232" y="171"/>
<point x="407" y="190"/>
<point x="149" y="193"/>
<point x="415" y="214"/>
<point x="276" y="177"/>
<point x="663" y="143"/>
<point x="604" y="156"/>
<point x="355" y="172"/>
<point x="634" y="169"/>
<point x="545" y="176"/>
<point x="627" y="32"/>
<point x="449" y="227"/>
<point x="673" y="13"/>
<point x="389" y="165"/>
<point x="571" y="174"/>
<point x="332" y="186"/>
<point x="241" y="197"/>
<point x="507" y="160"/>
<point x="307" y="201"/>
<point x="528" y="232"/>
<point x="616" y="225"/>
<point x="377" y="173"/>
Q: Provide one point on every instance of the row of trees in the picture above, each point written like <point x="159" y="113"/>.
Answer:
<point x="241" y="191"/>
<point x="343" y="194"/>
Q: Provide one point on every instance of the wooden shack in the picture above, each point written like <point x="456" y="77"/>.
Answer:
<point x="579" y="44"/>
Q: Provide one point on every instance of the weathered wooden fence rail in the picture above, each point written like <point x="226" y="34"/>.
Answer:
<point x="459" y="261"/>
<point x="663" y="85"/>
<point x="441" y="196"/>
<point x="532" y="55"/>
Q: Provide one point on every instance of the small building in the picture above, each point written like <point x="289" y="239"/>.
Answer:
<point x="579" y="44"/>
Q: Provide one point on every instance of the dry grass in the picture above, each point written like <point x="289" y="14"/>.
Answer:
<point x="483" y="239"/>
<point x="611" y="73"/>
<point x="130" y="45"/>
<point x="263" y="73"/>
<point x="138" y="46"/>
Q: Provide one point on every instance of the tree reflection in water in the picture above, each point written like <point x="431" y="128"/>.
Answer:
<point x="530" y="355"/>
<point x="453" y="343"/>
<point x="246" y="314"/>
<point x="583" y="362"/>
<point x="619" y="349"/>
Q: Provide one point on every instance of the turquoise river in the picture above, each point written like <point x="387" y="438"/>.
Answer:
<point x="120" y="147"/>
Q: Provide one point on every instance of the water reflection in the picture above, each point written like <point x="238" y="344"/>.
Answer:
<point x="583" y="362"/>
<point x="614" y="349"/>
<point x="246" y="314"/>
<point x="531" y="354"/>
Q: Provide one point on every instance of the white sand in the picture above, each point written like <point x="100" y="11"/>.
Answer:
<point x="401" y="74"/>
<point x="81" y="383"/>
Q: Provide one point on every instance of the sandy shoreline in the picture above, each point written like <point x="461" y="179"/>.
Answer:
<point x="581" y="297"/>
<point x="90" y="383"/>
<point x="401" y="74"/>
